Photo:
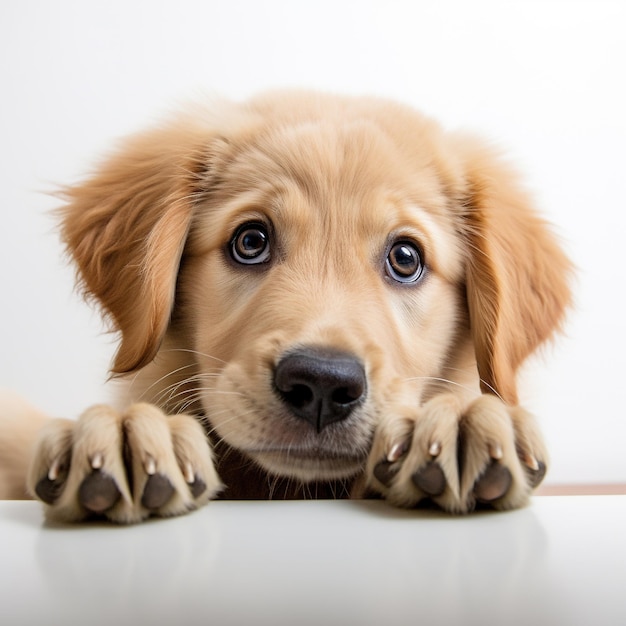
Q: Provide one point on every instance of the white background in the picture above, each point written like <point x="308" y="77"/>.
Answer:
<point x="543" y="78"/>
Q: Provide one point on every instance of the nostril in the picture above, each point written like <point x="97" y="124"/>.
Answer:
<point x="347" y="395"/>
<point x="299" y="396"/>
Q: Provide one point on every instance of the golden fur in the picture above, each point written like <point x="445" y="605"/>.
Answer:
<point x="333" y="182"/>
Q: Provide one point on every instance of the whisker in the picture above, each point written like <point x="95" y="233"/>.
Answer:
<point x="162" y="378"/>
<point x="439" y="379"/>
<point x="447" y="381"/>
<point x="492" y="389"/>
<point x="175" y="392"/>
<point x="195" y="395"/>
<point x="272" y="482"/>
<point x="169" y="394"/>
<point x="196" y="353"/>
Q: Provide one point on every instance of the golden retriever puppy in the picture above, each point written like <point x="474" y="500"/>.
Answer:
<point x="316" y="296"/>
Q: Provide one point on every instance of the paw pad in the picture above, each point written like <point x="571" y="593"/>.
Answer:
<point x="48" y="490"/>
<point x="197" y="487"/>
<point x="98" y="492"/>
<point x="494" y="483"/>
<point x="157" y="492"/>
<point x="385" y="472"/>
<point x="430" y="479"/>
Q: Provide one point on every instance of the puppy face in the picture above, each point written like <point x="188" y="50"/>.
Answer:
<point x="303" y="268"/>
<point x="317" y="242"/>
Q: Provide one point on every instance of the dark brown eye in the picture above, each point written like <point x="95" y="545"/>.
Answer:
<point x="404" y="262"/>
<point x="251" y="244"/>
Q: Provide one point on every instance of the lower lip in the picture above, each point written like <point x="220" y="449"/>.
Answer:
<point x="320" y="464"/>
<point x="308" y="455"/>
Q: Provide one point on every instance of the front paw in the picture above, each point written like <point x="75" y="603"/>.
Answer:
<point x="122" y="466"/>
<point x="486" y="453"/>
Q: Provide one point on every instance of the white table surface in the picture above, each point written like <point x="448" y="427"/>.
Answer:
<point x="560" y="561"/>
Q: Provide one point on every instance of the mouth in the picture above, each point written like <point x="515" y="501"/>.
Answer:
<point x="309" y="464"/>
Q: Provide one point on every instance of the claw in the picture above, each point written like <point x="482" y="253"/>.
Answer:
<point x="97" y="461"/>
<point x="536" y="476"/>
<point x="386" y="470"/>
<point x="196" y="485"/>
<point x="49" y="488"/>
<point x="189" y="474"/>
<point x="531" y="462"/>
<point x="398" y="450"/>
<point x="150" y="466"/>
<point x="495" y="451"/>
<point x="434" y="449"/>
<point x="53" y="472"/>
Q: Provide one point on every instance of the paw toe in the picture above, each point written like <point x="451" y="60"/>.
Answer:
<point x="157" y="492"/>
<point x="535" y="476"/>
<point x="197" y="487"/>
<point x="98" y="492"/>
<point x="430" y="479"/>
<point x="385" y="472"/>
<point x="494" y="483"/>
<point x="47" y="490"/>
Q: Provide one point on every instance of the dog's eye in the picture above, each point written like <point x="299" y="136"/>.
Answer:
<point x="404" y="262"/>
<point x="251" y="244"/>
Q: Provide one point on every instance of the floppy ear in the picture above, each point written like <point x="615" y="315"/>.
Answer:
<point x="126" y="229"/>
<point x="517" y="275"/>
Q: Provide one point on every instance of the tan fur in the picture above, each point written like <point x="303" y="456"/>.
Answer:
<point x="19" y="424"/>
<point x="336" y="179"/>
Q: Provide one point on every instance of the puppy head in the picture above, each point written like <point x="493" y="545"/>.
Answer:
<point x="353" y="234"/>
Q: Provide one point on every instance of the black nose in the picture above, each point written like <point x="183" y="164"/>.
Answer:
<point x="320" y="386"/>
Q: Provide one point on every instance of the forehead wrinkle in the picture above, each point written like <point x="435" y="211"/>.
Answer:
<point x="321" y="183"/>
<point x="317" y="240"/>
<point x="325" y="160"/>
<point x="441" y="244"/>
